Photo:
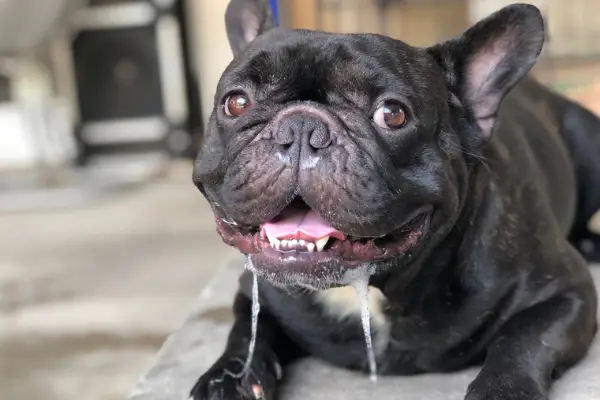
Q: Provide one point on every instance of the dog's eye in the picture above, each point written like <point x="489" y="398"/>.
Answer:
<point x="390" y="115"/>
<point x="236" y="105"/>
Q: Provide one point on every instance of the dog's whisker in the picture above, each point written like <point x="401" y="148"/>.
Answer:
<point x="231" y="223"/>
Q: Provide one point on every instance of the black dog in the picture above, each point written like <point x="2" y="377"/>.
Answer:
<point x="453" y="179"/>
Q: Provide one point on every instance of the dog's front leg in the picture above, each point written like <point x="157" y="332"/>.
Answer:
<point x="224" y="381"/>
<point x="535" y="346"/>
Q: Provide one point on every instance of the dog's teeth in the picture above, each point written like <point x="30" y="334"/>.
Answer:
<point x="273" y="240"/>
<point x="290" y="244"/>
<point x="321" y="243"/>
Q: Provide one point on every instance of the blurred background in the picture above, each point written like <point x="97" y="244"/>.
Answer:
<point x="104" y="242"/>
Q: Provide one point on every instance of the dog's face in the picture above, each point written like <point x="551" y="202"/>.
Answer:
<point x="328" y="152"/>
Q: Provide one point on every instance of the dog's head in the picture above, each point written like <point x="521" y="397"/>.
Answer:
<point x="327" y="152"/>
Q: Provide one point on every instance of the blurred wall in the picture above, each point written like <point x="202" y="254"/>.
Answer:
<point x="426" y="23"/>
<point x="418" y="22"/>
<point x="414" y="23"/>
<point x="210" y="48"/>
<point x="574" y="27"/>
<point x="211" y="53"/>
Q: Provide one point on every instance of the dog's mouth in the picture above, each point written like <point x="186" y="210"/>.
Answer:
<point x="300" y="240"/>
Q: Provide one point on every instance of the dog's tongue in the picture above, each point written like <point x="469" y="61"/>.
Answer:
<point x="301" y="224"/>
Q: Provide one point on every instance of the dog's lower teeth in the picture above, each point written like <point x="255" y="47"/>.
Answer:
<point x="300" y="245"/>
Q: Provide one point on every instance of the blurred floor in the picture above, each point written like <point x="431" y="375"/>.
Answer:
<point x="88" y="296"/>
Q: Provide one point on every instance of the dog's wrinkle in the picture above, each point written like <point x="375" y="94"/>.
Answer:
<point x="330" y="206"/>
<point x="357" y="150"/>
<point x="353" y="151"/>
<point x="479" y="158"/>
<point x="347" y="99"/>
<point x="258" y="186"/>
<point x="386" y="58"/>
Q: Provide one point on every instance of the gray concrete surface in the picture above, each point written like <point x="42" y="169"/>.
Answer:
<point x="88" y="296"/>
<point x="192" y="349"/>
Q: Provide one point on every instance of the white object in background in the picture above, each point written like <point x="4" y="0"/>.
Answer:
<point x="35" y="135"/>
<point x="30" y="80"/>
<point x="52" y="133"/>
<point x="35" y="128"/>
<point x="17" y="149"/>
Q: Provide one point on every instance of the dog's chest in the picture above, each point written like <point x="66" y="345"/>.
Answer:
<point x="344" y="303"/>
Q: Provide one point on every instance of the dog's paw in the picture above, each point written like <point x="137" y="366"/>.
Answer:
<point x="224" y="381"/>
<point x="504" y="387"/>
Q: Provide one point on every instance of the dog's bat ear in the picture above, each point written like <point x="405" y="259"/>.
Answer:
<point x="490" y="58"/>
<point x="245" y="20"/>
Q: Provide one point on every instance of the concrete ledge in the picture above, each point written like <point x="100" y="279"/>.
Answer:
<point x="192" y="349"/>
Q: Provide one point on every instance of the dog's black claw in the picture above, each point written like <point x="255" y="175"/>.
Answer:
<point x="226" y="387"/>
<point x="225" y="382"/>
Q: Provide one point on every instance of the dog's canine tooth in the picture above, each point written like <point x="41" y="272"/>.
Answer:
<point x="321" y="243"/>
<point x="272" y="239"/>
<point x="310" y="247"/>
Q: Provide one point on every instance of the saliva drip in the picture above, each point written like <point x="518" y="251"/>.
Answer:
<point x="361" y="285"/>
<point x="255" y="312"/>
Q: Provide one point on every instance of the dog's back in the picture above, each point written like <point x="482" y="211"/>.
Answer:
<point x="536" y="119"/>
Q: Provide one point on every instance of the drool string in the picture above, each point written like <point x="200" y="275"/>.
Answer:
<point x="362" y="290"/>
<point x="255" y="312"/>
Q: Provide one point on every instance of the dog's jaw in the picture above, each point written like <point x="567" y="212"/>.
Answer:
<point x="326" y="264"/>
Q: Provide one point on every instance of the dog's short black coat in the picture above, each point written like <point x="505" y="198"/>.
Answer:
<point x="507" y="171"/>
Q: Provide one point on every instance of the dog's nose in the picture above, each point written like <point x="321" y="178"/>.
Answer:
<point x="304" y="129"/>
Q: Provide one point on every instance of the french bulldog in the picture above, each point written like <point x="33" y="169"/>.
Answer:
<point x="458" y="185"/>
